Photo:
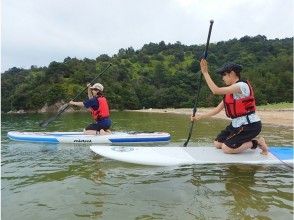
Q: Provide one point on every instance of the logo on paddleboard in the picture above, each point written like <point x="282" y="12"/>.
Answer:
<point x="122" y="149"/>
<point x="82" y="141"/>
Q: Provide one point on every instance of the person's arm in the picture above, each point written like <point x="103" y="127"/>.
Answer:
<point x="80" y="104"/>
<point x="212" y="86"/>
<point x="91" y="103"/>
<point x="90" y="95"/>
<point x="213" y="112"/>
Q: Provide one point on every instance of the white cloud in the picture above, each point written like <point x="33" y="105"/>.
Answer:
<point x="38" y="32"/>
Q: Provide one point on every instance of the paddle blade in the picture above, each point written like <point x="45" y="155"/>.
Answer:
<point x="190" y="134"/>
<point x="186" y="143"/>
<point x="48" y="121"/>
<point x="45" y="123"/>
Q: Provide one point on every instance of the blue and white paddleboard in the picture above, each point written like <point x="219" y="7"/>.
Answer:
<point x="80" y="138"/>
<point x="175" y="156"/>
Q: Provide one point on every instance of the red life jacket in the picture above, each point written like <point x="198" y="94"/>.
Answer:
<point x="103" y="109"/>
<point x="239" y="107"/>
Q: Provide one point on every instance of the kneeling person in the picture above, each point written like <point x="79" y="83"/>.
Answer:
<point x="98" y="106"/>
<point x="239" y="104"/>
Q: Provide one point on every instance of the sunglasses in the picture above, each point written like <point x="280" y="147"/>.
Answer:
<point x="95" y="89"/>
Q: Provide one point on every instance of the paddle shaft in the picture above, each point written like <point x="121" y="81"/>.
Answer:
<point x="199" y="85"/>
<point x="46" y="122"/>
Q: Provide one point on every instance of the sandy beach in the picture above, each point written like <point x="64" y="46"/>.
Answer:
<point x="281" y="117"/>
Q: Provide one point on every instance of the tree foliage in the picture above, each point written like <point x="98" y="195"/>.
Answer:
<point x="158" y="75"/>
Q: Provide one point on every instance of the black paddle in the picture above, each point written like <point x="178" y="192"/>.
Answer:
<point x="46" y="122"/>
<point x="199" y="85"/>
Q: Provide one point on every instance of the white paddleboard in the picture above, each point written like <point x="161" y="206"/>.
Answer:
<point x="80" y="138"/>
<point x="174" y="156"/>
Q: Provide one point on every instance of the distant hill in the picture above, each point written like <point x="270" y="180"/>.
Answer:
<point x="158" y="75"/>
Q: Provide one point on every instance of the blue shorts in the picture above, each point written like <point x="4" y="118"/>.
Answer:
<point x="104" y="124"/>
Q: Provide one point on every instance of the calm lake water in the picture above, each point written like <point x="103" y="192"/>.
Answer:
<point x="47" y="181"/>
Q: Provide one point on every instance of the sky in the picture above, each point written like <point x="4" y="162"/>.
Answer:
<point x="38" y="32"/>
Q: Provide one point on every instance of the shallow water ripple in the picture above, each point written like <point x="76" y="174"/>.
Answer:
<point x="47" y="181"/>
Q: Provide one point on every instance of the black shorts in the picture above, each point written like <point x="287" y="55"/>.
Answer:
<point x="235" y="137"/>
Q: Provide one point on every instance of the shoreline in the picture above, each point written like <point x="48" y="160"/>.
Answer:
<point x="280" y="117"/>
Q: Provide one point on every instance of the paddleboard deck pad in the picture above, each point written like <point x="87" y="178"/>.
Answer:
<point x="175" y="156"/>
<point x="80" y="138"/>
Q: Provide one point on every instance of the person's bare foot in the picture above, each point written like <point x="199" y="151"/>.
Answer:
<point x="262" y="145"/>
<point x="102" y="132"/>
<point x="217" y="145"/>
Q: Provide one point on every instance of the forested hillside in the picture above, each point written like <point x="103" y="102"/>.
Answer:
<point x="158" y="75"/>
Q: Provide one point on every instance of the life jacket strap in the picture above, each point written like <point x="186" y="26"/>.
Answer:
<point x="247" y="117"/>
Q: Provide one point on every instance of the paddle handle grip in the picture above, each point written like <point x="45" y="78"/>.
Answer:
<point x="208" y="39"/>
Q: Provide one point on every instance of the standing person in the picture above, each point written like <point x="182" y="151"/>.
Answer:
<point x="239" y="104"/>
<point x="98" y="106"/>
